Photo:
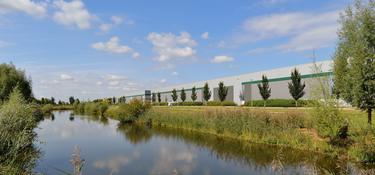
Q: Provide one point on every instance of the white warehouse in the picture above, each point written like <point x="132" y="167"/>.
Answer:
<point x="246" y="84"/>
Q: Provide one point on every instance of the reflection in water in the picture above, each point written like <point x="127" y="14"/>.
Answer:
<point x="110" y="147"/>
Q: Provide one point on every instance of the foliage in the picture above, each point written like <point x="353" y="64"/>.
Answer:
<point x="206" y="92"/>
<point x="365" y="147"/>
<point x="264" y="89"/>
<point x="189" y="103"/>
<point x="160" y="104"/>
<point x="224" y="103"/>
<point x="222" y="91"/>
<point x="128" y="112"/>
<point x="354" y="65"/>
<point x="278" y="103"/>
<point x="122" y="99"/>
<point x="257" y="126"/>
<point x="71" y="100"/>
<point x="159" y="97"/>
<point x="47" y="109"/>
<point x="183" y="95"/>
<point x="174" y="95"/>
<point x="153" y="98"/>
<point x="193" y="94"/>
<point x="17" y="136"/>
<point x="296" y="87"/>
<point x="11" y="77"/>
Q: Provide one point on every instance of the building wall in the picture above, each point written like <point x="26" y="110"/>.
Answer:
<point x="229" y="96"/>
<point x="240" y="84"/>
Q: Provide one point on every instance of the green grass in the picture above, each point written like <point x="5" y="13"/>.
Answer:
<point x="290" y="127"/>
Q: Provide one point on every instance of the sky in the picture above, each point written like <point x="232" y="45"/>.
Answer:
<point x="92" y="49"/>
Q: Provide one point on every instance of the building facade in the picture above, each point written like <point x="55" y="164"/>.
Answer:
<point x="245" y="85"/>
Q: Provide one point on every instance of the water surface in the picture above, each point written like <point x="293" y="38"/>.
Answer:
<point x="112" y="148"/>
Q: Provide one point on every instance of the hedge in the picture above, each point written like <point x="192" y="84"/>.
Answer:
<point x="277" y="103"/>
<point x="218" y="103"/>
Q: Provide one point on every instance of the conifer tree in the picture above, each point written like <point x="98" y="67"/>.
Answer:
<point x="183" y="95"/>
<point x="193" y="94"/>
<point x="296" y="87"/>
<point x="222" y="91"/>
<point x="264" y="89"/>
<point x="206" y="92"/>
<point x="174" y="95"/>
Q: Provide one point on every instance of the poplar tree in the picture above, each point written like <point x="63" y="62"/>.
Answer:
<point x="206" y="92"/>
<point x="222" y="91"/>
<point x="153" y="97"/>
<point x="354" y="65"/>
<point x="174" y="95"/>
<point x="264" y="89"/>
<point x="296" y="87"/>
<point x="193" y="94"/>
<point x="159" y="97"/>
<point x="183" y="95"/>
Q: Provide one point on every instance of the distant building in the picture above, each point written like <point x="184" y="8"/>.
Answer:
<point x="246" y="84"/>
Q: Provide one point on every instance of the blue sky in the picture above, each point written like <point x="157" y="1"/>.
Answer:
<point x="93" y="49"/>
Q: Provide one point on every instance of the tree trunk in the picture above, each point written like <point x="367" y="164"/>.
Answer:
<point x="296" y="103"/>
<point x="369" y="116"/>
<point x="264" y="103"/>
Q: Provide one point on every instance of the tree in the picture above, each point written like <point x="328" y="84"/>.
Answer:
<point x="354" y="65"/>
<point x="10" y="78"/>
<point x="296" y="87"/>
<point x="113" y="100"/>
<point x="264" y="89"/>
<point x="174" y="95"/>
<point x="222" y="91"/>
<point x="71" y="100"/>
<point x="53" y="101"/>
<point x="193" y="94"/>
<point x="183" y="95"/>
<point x="153" y="98"/>
<point x="159" y="97"/>
<point x="206" y="92"/>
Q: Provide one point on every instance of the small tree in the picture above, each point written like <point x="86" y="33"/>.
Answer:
<point x="296" y="87"/>
<point x="159" y="97"/>
<point x="264" y="89"/>
<point x="71" y="100"/>
<point x="206" y="92"/>
<point x="174" y="95"/>
<point x="193" y="94"/>
<point x="183" y="95"/>
<point x="53" y="101"/>
<point x="153" y="97"/>
<point x="222" y="91"/>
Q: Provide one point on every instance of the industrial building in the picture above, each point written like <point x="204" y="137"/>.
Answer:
<point x="246" y="84"/>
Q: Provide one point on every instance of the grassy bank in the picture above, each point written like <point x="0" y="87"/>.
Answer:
<point x="288" y="127"/>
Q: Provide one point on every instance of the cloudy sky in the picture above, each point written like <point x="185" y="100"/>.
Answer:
<point x="92" y="49"/>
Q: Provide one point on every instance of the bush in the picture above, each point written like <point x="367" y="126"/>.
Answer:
<point x="128" y="112"/>
<point x="160" y="104"/>
<point x="17" y="136"/>
<point x="190" y="103"/>
<point x="218" y="103"/>
<point x="364" y="149"/>
<point x="277" y="103"/>
<point x="47" y="109"/>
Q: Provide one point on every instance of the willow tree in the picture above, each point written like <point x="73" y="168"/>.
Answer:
<point x="183" y="95"/>
<point x="264" y="89"/>
<point x="296" y="87"/>
<point x="222" y="91"/>
<point x="193" y="94"/>
<point x="354" y="65"/>
<point x="174" y="95"/>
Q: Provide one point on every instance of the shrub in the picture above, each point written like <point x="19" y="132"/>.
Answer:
<point x="277" y="103"/>
<point x="160" y="104"/>
<point x="224" y="103"/>
<point x="364" y="149"/>
<point x="129" y="112"/>
<point x="47" y="109"/>
<point x="17" y="136"/>
<point x="190" y="103"/>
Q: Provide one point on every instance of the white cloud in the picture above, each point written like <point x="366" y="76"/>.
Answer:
<point x="222" y="59"/>
<point x="72" y="13"/>
<point x="114" y="83"/>
<point x="175" y="73"/>
<point x="99" y="83"/>
<point x="65" y="77"/>
<point x="27" y="6"/>
<point x="115" y="20"/>
<point x="303" y="31"/>
<point x="205" y="35"/>
<point x="221" y="44"/>
<point x="170" y="46"/>
<point x="163" y="80"/>
<point x="112" y="77"/>
<point x="136" y="55"/>
<point x="112" y="46"/>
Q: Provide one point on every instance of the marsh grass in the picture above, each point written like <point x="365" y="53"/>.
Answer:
<point x="254" y="125"/>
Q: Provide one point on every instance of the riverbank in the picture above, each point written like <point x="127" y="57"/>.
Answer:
<point x="288" y="127"/>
